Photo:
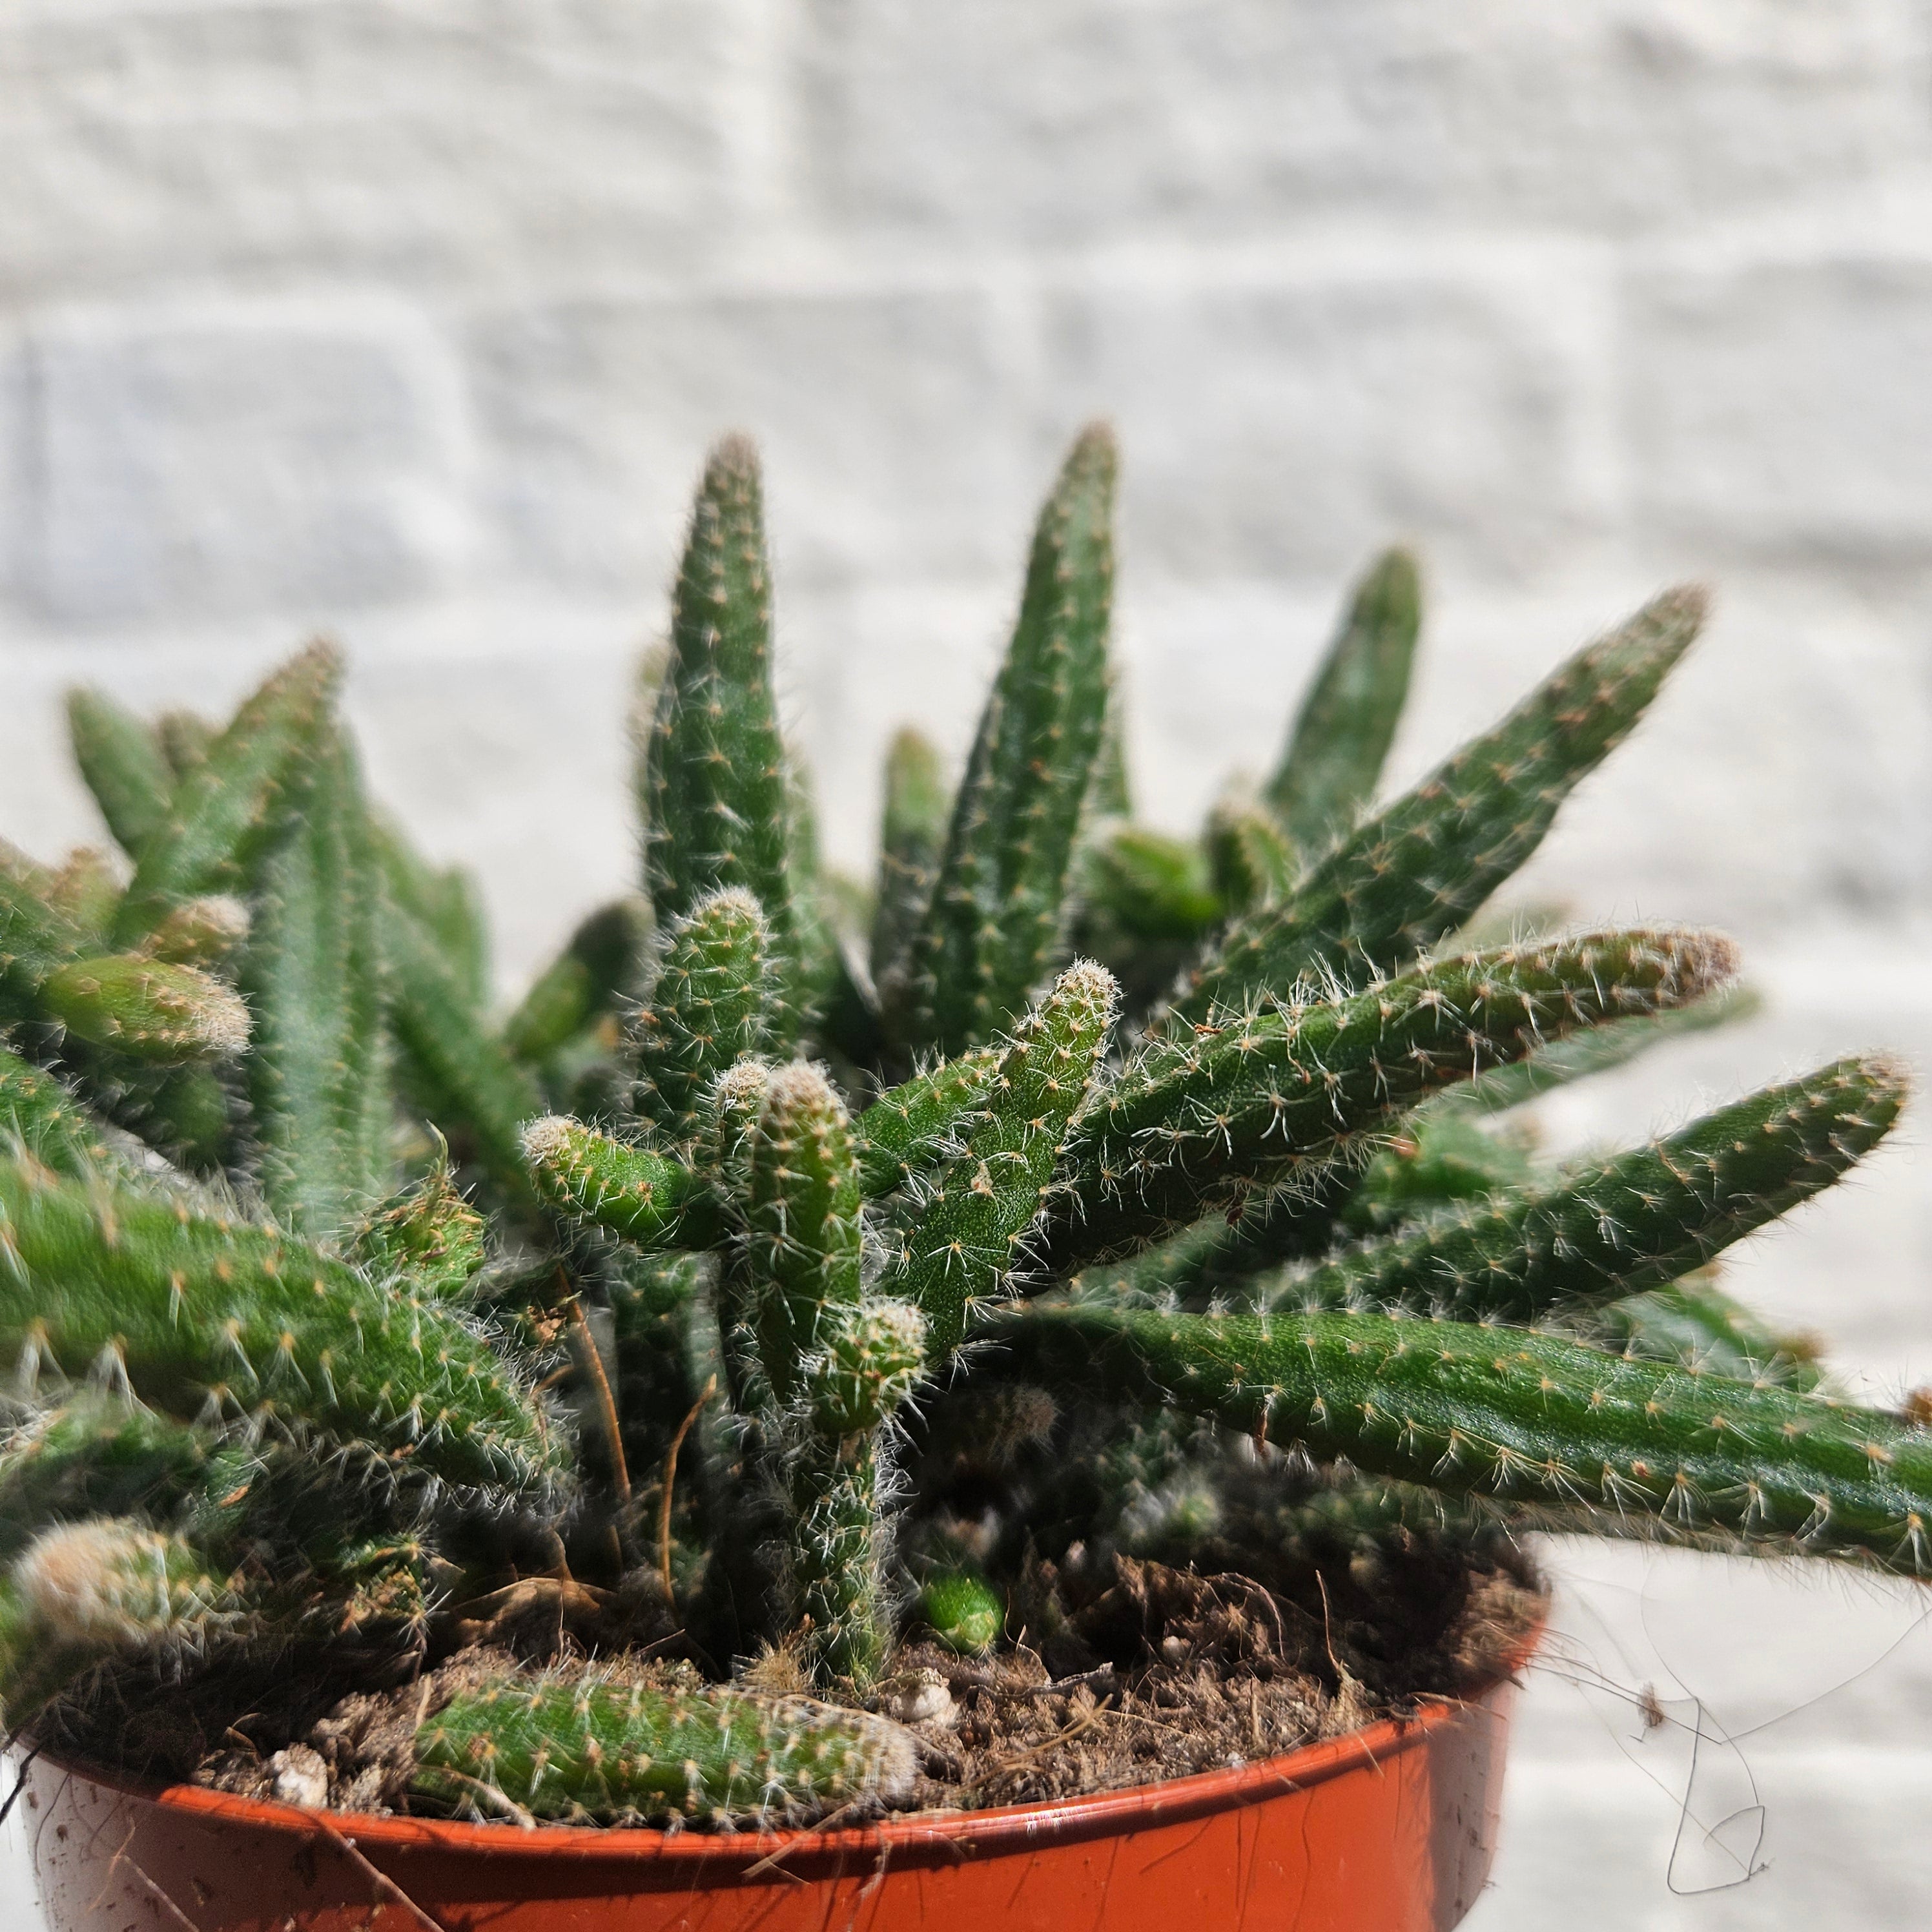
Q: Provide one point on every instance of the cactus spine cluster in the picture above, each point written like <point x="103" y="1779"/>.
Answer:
<point x="331" y="1291"/>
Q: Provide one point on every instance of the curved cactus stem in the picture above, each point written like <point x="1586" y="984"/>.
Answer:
<point x="997" y="914"/>
<point x="911" y="837"/>
<point x="1536" y="1420"/>
<point x="446" y="904"/>
<point x="95" y="1455"/>
<point x="1348" y="721"/>
<point x="635" y="1192"/>
<point x="581" y="1745"/>
<point x="1599" y="1050"/>
<point x="715" y="771"/>
<point x="1636" y="1221"/>
<point x="314" y="974"/>
<point x="1418" y="869"/>
<point x="716" y="998"/>
<point x="1256" y="1099"/>
<point x="122" y="764"/>
<point x="186" y="739"/>
<point x="196" y="1311"/>
<point x="87" y="888"/>
<point x="1148" y="887"/>
<point x="227" y="809"/>
<point x="980" y="1211"/>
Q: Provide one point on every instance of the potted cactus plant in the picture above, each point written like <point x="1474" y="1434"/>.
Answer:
<point x="861" y="1387"/>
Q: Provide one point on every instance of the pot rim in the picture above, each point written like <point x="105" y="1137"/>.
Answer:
<point x="979" y="1833"/>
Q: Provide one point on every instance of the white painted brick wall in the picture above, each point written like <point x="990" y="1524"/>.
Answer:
<point x="411" y="318"/>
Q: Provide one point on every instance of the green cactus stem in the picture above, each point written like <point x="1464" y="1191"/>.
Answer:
<point x="1694" y="1324"/>
<point x="1637" y="1221"/>
<point x="201" y="1313"/>
<point x="587" y="981"/>
<point x="1615" y="1444"/>
<point x="427" y="1235"/>
<point x="715" y="771"/>
<point x="1417" y="870"/>
<point x="963" y="1610"/>
<point x="40" y="1119"/>
<point x="906" y="1131"/>
<point x="997" y="912"/>
<point x="225" y="809"/>
<point x="911" y="838"/>
<point x="147" y="1009"/>
<point x="1348" y="721"/>
<point x="108" y="1586"/>
<point x="980" y="1212"/>
<point x="1255" y="1099"/>
<point x="631" y="1191"/>
<point x="121" y="763"/>
<point x="715" y="998"/>
<point x="95" y="1455"/>
<point x="462" y="1072"/>
<point x="316" y="980"/>
<point x="1250" y="862"/>
<point x="200" y="932"/>
<point x="579" y="1746"/>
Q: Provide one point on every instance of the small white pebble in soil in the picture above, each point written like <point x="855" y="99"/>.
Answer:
<point x="301" y="1776"/>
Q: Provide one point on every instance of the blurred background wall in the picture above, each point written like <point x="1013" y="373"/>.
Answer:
<point x="409" y="320"/>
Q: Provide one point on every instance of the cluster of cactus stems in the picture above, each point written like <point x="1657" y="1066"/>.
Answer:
<point x="329" y="1293"/>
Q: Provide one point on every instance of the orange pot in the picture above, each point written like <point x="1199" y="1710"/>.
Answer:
<point x="1391" y="1828"/>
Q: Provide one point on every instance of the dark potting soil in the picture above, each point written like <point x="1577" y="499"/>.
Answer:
<point x="1158" y="1672"/>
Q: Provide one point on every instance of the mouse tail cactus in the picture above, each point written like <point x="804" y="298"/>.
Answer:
<point x="1103" y="1165"/>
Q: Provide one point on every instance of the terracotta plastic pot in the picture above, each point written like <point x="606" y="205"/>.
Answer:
<point x="1389" y="1829"/>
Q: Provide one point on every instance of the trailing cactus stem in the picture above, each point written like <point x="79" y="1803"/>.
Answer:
<point x="587" y="979"/>
<point x="576" y="1746"/>
<point x="1536" y="1420"/>
<point x="630" y="1191"/>
<point x="1416" y="872"/>
<point x="1255" y="1097"/>
<point x="429" y="1235"/>
<point x="197" y="1312"/>
<point x="910" y="841"/>
<point x="979" y="1211"/>
<point x="40" y="1118"/>
<point x="200" y="932"/>
<point x="1636" y="1221"/>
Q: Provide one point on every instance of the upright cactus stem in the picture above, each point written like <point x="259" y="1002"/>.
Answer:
<point x="1348" y="719"/>
<point x="720" y="1290"/>
<point x="716" y="998"/>
<point x="715" y="770"/>
<point x="998" y="909"/>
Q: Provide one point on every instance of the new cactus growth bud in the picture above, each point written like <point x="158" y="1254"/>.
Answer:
<point x="720" y="1289"/>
